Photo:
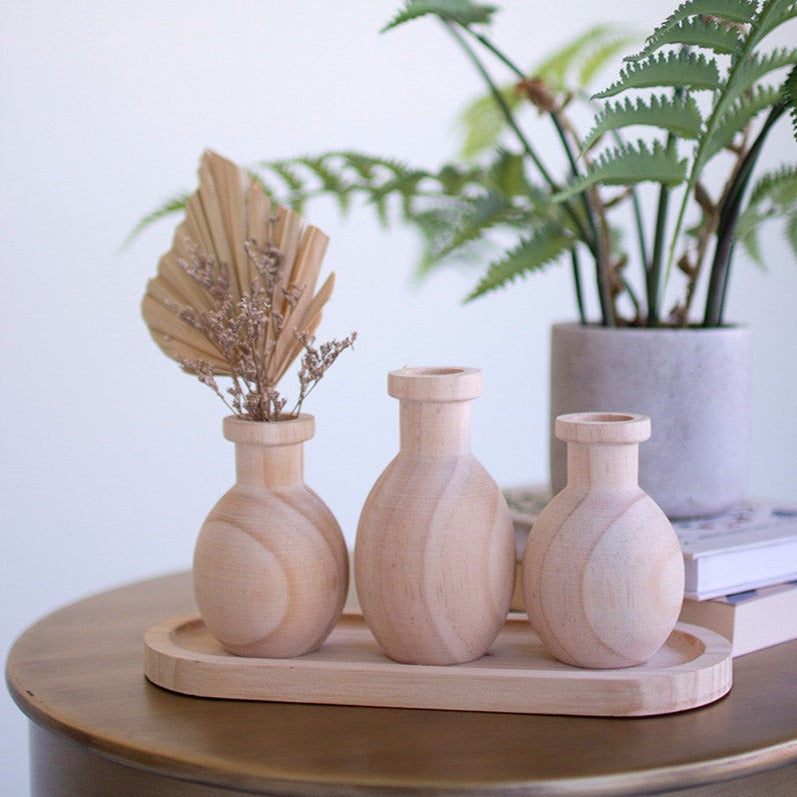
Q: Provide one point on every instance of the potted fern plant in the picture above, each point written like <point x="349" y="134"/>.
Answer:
<point x="648" y="200"/>
<point x="707" y="96"/>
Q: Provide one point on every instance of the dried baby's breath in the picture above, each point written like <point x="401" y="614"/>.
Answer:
<point x="245" y="332"/>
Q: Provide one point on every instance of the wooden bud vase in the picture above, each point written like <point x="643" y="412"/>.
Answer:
<point x="603" y="575"/>
<point x="434" y="557"/>
<point x="270" y="564"/>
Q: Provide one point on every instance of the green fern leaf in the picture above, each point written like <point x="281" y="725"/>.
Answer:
<point x="738" y="116"/>
<point x="694" y="32"/>
<point x="751" y="70"/>
<point x="173" y="205"/>
<point x="791" y="232"/>
<point x="486" y="212"/>
<point x="294" y="193"/>
<point x="772" y="15"/>
<point x="746" y="233"/>
<point x="463" y="12"/>
<point x="596" y="58"/>
<point x="774" y="196"/>
<point x="630" y="164"/>
<point x="678" y="115"/>
<point x="741" y="11"/>
<point x="586" y="52"/>
<point x="507" y="175"/>
<point x="778" y="186"/>
<point x="681" y="69"/>
<point x="482" y="121"/>
<point x="789" y="90"/>
<point x="543" y="247"/>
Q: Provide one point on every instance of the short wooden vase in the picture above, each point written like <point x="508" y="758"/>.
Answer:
<point x="602" y="574"/>
<point x="434" y="554"/>
<point x="270" y="564"/>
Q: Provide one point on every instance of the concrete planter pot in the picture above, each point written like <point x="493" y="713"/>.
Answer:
<point x="694" y="384"/>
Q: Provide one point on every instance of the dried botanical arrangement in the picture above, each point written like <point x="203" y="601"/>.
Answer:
<point x="235" y="295"/>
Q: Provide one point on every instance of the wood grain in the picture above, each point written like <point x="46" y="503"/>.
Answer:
<point x="78" y="675"/>
<point x="270" y="563"/>
<point x="518" y="676"/>
<point x="603" y="574"/>
<point x="435" y="553"/>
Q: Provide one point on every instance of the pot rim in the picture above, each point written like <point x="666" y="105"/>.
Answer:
<point x="724" y="330"/>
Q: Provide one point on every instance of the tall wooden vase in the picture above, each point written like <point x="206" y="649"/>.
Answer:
<point x="435" y="554"/>
<point x="602" y="574"/>
<point x="270" y="563"/>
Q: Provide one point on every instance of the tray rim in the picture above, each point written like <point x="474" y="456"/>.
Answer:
<point x="191" y="673"/>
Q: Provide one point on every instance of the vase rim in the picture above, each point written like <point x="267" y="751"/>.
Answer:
<point x="286" y="431"/>
<point x="435" y="383"/>
<point x="605" y="427"/>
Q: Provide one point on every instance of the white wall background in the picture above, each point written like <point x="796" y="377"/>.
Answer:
<point x="110" y="456"/>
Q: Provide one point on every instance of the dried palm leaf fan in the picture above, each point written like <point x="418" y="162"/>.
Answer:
<point x="229" y="212"/>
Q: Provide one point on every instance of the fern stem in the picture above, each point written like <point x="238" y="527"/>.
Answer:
<point x="729" y="215"/>
<point x="738" y="60"/>
<point x="653" y="268"/>
<point x="594" y="242"/>
<point x="582" y="315"/>
<point x="527" y="148"/>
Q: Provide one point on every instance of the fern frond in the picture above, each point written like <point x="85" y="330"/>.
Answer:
<point x="541" y="248"/>
<point x="791" y="233"/>
<point x="482" y="121"/>
<point x="463" y="12"/>
<point x="583" y="55"/>
<point x="486" y="212"/>
<point x="172" y="205"/>
<point x="731" y="10"/>
<point x="677" y="115"/>
<point x="778" y="186"/>
<point x="681" y="69"/>
<point x="629" y="164"/>
<point x="749" y="71"/>
<point x="738" y="116"/>
<point x="287" y="173"/>
<point x="693" y="32"/>
<point x="596" y="58"/>
<point x="789" y="90"/>
<point x="746" y="234"/>
<point x="774" y="196"/>
<point x="773" y="14"/>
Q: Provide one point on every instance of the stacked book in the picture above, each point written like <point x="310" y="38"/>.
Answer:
<point x="740" y="568"/>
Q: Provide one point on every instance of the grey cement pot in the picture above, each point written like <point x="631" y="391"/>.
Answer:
<point x="695" y="385"/>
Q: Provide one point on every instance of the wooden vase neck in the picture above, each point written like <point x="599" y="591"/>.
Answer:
<point x="435" y="409"/>
<point x="603" y="466"/>
<point x="603" y="448"/>
<point x="269" y="454"/>
<point x="434" y="428"/>
<point x="273" y="467"/>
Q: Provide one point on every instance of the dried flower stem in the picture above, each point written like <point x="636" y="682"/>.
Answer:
<point x="245" y="333"/>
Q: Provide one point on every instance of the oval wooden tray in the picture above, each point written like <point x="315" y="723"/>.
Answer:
<point x="517" y="675"/>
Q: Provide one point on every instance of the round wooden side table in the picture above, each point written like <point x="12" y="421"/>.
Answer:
<point x="98" y="727"/>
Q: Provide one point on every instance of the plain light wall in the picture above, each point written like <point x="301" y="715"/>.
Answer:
<point x="110" y="456"/>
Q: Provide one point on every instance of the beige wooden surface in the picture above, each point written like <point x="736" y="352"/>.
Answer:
<point x="519" y="675"/>
<point x="78" y="674"/>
